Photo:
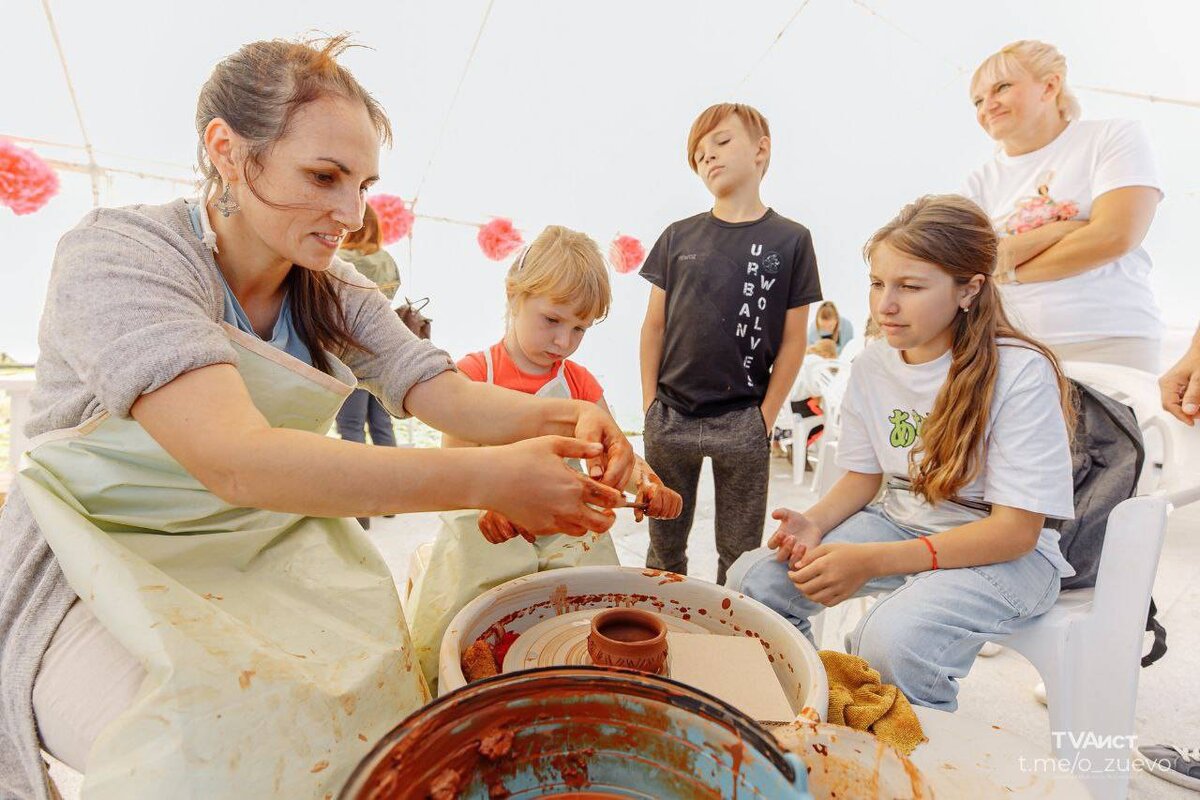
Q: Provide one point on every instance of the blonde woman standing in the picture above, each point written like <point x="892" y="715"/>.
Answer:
<point x="1072" y="200"/>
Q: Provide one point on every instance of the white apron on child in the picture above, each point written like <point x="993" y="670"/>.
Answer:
<point x="275" y="650"/>
<point x="464" y="565"/>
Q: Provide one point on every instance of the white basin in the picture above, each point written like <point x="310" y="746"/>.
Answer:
<point x="520" y="604"/>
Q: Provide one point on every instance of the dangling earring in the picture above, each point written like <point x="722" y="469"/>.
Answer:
<point x="226" y="204"/>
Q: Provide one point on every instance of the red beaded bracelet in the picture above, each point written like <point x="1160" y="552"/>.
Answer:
<point x="932" y="552"/>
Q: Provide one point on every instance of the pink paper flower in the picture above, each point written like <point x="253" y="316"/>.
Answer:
<point x="498" y="239"/>
<point x="626" y="254"/>
<point x="395" y="218"/>
<point x="26" y="181"/>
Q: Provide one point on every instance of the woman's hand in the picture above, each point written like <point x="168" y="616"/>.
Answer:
<point x="1180" y="386"/>
<point x="614" y="466"/>
<point x="795" y="535"/>
<point x="661" y="502"/>
<point x="833" y="572"/>
<point x="498" y="529"/>
<point x="537" y="492"/>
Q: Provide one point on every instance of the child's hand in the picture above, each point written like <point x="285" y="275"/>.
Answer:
<point x="795" y="535"/>
<point x="662" y="503"/>
<point x="498" y="529"/>
<point x="833" y="572"/>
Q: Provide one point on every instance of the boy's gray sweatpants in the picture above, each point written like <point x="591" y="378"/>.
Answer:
<point x="740" y="449"/>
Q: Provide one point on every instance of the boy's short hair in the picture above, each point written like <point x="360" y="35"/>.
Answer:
<point x="566" y="266"/>
<point x="712" y="116"/>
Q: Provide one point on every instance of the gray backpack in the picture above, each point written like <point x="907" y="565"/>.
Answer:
<point x="1106" y="459"/>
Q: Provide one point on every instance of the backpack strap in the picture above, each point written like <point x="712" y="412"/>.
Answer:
<point x="1159" y="648"/>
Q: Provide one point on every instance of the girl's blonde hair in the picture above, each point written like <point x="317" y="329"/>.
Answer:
<point x="1039" y="60"/>
<point x="954" y="234"/>
<point x="567" y="267"/>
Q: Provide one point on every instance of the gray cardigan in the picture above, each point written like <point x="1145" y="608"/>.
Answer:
<point x="136" y="299"/>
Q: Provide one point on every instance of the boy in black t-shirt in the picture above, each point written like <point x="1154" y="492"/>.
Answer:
<point x="723" y="338"/>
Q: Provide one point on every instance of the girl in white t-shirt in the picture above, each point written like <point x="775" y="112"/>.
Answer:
<point x="1072" y="200"/>
<point x="964" y="421"/>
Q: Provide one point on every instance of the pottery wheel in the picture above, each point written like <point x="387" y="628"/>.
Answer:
<point x="562" y="640"/>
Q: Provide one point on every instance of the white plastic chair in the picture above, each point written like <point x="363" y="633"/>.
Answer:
<point x="823" y="377"/>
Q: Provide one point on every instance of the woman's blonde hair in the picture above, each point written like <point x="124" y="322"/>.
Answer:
<point x="1039" y="60"/>
<point x="565" y="266"/>
<point x="954" y="234"/>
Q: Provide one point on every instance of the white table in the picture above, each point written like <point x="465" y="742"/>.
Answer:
<point x="19" y="387"/>
<point x="966" y="759"/>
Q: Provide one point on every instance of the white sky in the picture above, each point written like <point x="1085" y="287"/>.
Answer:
<point x="576" y="114"/>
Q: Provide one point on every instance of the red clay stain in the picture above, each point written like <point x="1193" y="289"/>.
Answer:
<point x="726" y="603"/>
<point x="320" y="765"/>
<point x="822" y="749"/>
<point x="737" y="752"/>
<point x="244" y="678"/>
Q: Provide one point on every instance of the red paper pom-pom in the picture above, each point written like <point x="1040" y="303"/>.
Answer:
<point x="626" y="254"/>
<point x="395" y="218"/>
<point x="26" y="181"/>
<point x="499" y="238"/>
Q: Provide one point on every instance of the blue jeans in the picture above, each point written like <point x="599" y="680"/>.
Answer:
<point x="924" y="633"/>
<point x="362" y="408"/>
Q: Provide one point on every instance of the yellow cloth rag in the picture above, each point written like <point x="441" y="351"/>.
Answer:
<point x="857" y="699"/>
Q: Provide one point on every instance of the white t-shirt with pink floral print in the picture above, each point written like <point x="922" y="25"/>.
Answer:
<point x="1059" y="182"/>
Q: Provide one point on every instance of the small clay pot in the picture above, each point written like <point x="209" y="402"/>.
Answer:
<point x="629" y="638"/>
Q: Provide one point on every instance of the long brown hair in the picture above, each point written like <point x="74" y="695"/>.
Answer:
<point x="369" y="238"/>
<point x="954" y="234"/>
<point x="257" y="91"/>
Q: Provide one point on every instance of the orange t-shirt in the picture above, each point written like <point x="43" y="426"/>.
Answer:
<point x="582" y="384"/>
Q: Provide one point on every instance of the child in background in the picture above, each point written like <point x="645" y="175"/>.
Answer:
<point x="364" y="249"/>
<point x="806" y="394"/>
<point x="830" y="324"/>
<point x="723" y="338"/>
<point x="557" y="289"/>
<point x="965" y="423"/>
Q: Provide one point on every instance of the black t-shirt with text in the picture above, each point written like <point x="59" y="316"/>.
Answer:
<point x="729" y="287"/>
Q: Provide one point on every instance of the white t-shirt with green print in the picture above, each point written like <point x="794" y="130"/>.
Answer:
<point x="1027" y="458"/>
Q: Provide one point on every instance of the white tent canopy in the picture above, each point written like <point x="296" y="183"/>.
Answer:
<point x="576" y="113"/>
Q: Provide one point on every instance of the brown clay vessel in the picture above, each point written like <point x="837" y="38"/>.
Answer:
<point x="629" y="638"/>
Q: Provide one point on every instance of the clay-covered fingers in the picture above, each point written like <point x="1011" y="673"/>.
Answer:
<point x="497" y="528"/>
<point x="660" y="502"/>
<point x="598" y="494"/>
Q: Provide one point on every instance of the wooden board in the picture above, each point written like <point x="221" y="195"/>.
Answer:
<point x="733" y="668"/>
